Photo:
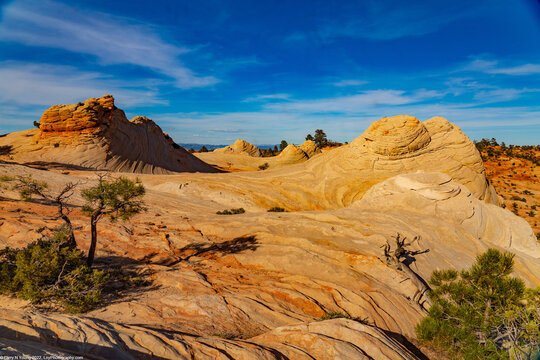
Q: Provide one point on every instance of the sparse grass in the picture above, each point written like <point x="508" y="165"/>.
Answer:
<point x="527" y="192"/>
<point x="340" y="315"/>
<point x="231" y="211"/>
<point x="264" y="166"/>
<point x="276" y="209"/>
<point x="4" y="178"/>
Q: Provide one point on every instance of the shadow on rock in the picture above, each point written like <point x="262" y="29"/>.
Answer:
<point x="129" y="279"/>
<point x="233" y="246"/>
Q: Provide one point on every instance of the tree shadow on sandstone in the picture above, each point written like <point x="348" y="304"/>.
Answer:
<point x="129" y="279"/>
<point x="233" y="246"/>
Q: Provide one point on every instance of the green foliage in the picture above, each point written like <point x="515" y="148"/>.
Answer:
<point x="231" y="211"/>
<point x="203" y="149"/>
<point x="320" y="138"/>
<point x="276" y="209"/>
<point x="264" y="166"/>
<point x="514" y="197"/>
<point x="465" y="318"/>
<point x="527" y="192"/>
<point x="191" y="150"/>
<point x="283" y="145"/>
<point x="340" y="315"/>
<point x="36" y="124"/>
<point x="50" y="271"/>
<point x="309" y="137"/>
<point x="26" y="186"/>
<point x="120" y="198"/>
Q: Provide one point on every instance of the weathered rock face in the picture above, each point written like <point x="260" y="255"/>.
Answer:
<point x="35" y="334"/>
<point x="435" y="194"/>
<point x="240" y="147"/>
<point x="310" y="148"/>
<point x="341" y="176"/>
<point x="394" y="136"/>
<point x="293" y="154"/>
<point x="96" y="134"/>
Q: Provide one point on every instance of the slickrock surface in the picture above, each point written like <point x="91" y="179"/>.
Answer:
<point x="240" y="147"/>
<point x="341" y="176"/>
<point x="35" y="334"/>
<point x="266" y="279"/>
<point x="250" y="275"/>
<point x="95" y="134"/>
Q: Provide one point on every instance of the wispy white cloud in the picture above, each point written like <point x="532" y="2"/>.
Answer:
<point x="28" y="89"/>
<point x="43" y="84"/>
<point x="112" y="39"/>
<point x="355" y="103"/>
<point x="492" y="67"/>
<point x="267" y="97"/>
<point x="344" y="83"/>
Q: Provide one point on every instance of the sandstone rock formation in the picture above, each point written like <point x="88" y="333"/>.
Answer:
<point x="34" y="334"/>
<point x="295" y="154"/>
<point x="310" y="148"/>
<point x="240" y="147"/>
<point x="267" y="278"/>
<point x="95" y="134"/>
<point x="339" y="177"/>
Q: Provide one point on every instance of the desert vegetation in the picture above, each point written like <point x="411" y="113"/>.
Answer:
<point x="483" y="312"/>
<point x="52" y="271"/>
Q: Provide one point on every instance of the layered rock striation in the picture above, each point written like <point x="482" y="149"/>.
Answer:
<point x="95" y="134"/>
<point x="240" y="147"/>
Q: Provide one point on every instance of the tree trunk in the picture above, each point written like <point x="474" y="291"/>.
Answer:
<point x="93" y="231"/>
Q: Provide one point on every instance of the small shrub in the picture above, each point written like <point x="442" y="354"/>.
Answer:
<point x="531" y="213"/>
<point x="231" y="211"/>
<point x="36" y="124"/>
<point x="264" y="166"/>
<point x="203" y="149"/>
<point x="56" y="145"/>
<point x="340" y="315"/>
<point x="514" y="197"/>
<point x="276" y="209"/>
<point x="49" y="271"/>
<point x="527" y="192"/>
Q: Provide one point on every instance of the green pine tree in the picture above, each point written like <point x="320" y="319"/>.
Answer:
<point x="467" y="317"/>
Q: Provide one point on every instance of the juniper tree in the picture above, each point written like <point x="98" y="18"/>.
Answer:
<point x="120" y="198"/>
<point x="283" y="145"/>
<point x="28" y="187"/>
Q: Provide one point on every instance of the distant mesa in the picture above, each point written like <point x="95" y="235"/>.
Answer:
<point x="95" y="134"/>
<point x="240" y="147"/>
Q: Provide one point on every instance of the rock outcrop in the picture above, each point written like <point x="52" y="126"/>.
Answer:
<point x="295" y="154"/>
<point x="339" y="177"/>
<point x="34" y="334"/>
<point x="240" y="147"/>
<point x="95" y="134"/>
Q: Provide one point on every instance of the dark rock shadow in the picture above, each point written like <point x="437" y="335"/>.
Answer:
<point x="75" y="348"/>
<point x="406" y="343"/>
<point x="6" y="150"/>
<point x="128" y="279"/>
<point x="233" y="246"/>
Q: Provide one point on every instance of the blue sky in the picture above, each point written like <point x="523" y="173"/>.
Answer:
<point x="214" y="71"/>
